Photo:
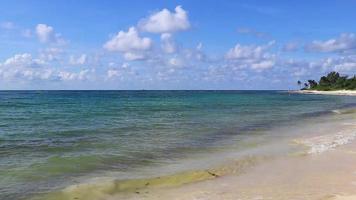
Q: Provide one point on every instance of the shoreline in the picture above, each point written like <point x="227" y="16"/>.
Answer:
<point x="334" y="92"/>
<point x="328" y="174"/>
<point x="322" y="168"/>
<point x="138" y="141"/>
<point x="287" y="176"/>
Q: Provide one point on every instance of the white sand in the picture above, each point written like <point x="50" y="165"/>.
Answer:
<point x="329" y="176"/>
<point x="336" y="92"/>
<point x="353" y="197"/>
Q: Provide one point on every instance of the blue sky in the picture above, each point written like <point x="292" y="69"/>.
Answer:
<point x="150" y="44"/>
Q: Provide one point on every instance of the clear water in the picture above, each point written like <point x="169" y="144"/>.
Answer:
<point x="49" y="137"/>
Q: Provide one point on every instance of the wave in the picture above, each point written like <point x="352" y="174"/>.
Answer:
<point x="337" y="111"/>
<point x="320" y="144"/>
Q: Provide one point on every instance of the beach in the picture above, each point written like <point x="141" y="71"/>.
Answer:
<point x="328" y="176"/>
<point x="336" y="92"/>
<point x="177" y="100"/>
<point x="322" y="167"/>
<point x="113" y="145"/>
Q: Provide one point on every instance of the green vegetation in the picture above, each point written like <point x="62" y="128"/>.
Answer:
<point x="332" y="81"/>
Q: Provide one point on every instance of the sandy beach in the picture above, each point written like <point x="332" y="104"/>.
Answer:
<point x="327" y="171"/>
<point x="328" y="176"/>
<point x="177" y="100"/>
<point x="336" y="92"/>
<point x="322" y="167"/>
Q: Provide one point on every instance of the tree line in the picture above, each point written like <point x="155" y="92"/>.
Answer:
<point x="332" y="81"/>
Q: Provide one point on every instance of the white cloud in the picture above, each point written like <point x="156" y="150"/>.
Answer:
<point x="46" y="34"/>
<point x="248" y="51"/>
<point x="21" y="60"/>
<point x="82" y="59"/>
<point x="131" y="56"/>
<point x="300" y="72"/>
<point x="346" y="41"/>
<point x="346" y="66"/>
<point x="295" y="67"/>
<point x="125" y="66"/>
<point x="197" y="53"/>
<point x="343" y="64"/>
<point x="244" y="52"/>
<point x="264" y="64"/>
<point x="23" y="67"/>
<point x="118" y="71"/>
<point x="166" y="21"/>
<point x="128" y="41"/>
<point x="50" y="54"/>
<point x="176" y="62"/>
<point x="130" y="44"/>
<point x="251" y="56"/>
<point x="82" y="75"/>
<point x="168" y="45"/>
<point x="111" y="73"/>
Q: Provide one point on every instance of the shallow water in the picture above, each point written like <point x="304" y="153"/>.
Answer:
<point x="52" y="139"/>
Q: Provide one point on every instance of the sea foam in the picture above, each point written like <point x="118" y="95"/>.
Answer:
<point x="320" y="144"/>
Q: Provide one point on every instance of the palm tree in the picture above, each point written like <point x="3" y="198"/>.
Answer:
<point x="299" y="83"/>
<point x="312" y="84"/>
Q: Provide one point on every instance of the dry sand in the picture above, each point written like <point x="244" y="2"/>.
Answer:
<point x="328" y="176"/>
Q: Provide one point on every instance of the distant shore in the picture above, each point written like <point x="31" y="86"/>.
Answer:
<point x="334" y="92"/>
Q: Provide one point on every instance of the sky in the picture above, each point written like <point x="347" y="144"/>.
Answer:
<point x="188" y="44"/>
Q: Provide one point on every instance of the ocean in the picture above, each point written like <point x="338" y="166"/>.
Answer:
<point x="50" y="140"/>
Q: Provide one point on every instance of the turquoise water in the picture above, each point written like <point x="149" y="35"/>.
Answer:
<point x="50" y="138"/>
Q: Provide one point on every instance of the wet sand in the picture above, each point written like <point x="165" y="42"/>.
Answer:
<point x="331" y="175"/>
